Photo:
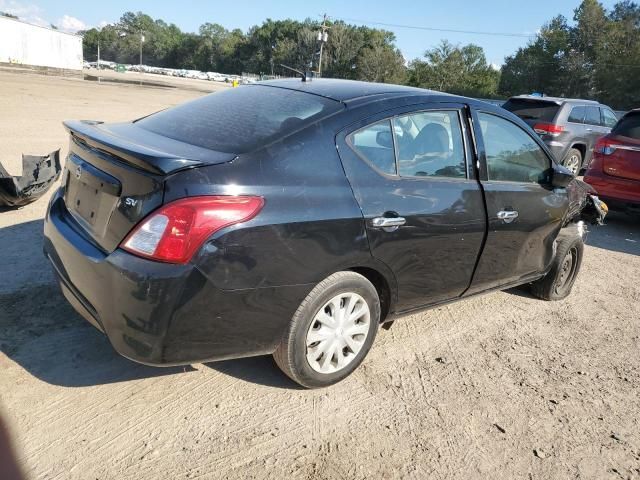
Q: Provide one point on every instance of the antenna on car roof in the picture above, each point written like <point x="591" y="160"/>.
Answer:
<point x="305" y="76"/>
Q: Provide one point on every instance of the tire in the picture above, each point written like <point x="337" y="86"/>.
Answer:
<point x="557" y="284"/>
<point x="314" y="344"/>
<point x="573" y="160"/>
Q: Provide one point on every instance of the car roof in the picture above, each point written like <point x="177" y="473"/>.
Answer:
<point x="345" y="90"/>
<point x="557" y="100"/>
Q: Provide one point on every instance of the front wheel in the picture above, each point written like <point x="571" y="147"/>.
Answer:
<point x="557" y="284"/>
<point x="331" y="332"/>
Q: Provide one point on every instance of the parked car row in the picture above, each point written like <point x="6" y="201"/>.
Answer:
<point x="172" y="72"/>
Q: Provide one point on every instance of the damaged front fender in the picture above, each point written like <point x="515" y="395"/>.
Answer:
<point x="38" y="174"/>
<point x="584" y="204"/>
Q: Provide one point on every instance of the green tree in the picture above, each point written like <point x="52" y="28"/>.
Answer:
<point x="540" y="65"/>
<point x="455" y="69"/>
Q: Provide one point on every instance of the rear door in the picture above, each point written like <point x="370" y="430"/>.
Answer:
<point x="411" y="172"/>
<point x="524" y="212"/>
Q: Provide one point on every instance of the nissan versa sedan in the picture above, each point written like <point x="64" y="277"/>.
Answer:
<point x="294" y="218"/>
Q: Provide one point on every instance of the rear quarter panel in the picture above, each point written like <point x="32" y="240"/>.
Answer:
<point x="309" y="228"/>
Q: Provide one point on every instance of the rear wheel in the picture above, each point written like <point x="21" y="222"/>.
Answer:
<point x="331" y="332"/>
<point x="573" y="160"/>
<point x="557" y="284"/>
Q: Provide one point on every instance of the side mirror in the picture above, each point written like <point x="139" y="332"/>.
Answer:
<point x="561" y="177"/>
<point x="384" y="139"/>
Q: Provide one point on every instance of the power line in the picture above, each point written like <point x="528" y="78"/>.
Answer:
<point x="434" y="29"/>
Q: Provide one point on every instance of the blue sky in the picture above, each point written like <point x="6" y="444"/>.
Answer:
<point x="519" y="17"/>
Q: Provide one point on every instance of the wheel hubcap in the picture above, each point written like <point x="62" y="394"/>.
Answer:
<point x="338" y="333"/>
<point x="573" y="163"/>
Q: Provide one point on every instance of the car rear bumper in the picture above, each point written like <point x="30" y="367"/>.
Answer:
<point x="163" y="314"/>
<point x="617" y="192"/>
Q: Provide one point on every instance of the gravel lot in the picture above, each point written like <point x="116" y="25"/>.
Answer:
<point x="499" y="386"/>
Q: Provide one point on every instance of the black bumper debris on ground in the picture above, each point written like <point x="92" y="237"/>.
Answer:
<point x="38" y="174"/>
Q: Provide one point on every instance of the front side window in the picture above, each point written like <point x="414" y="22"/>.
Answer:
<point x="577" y="114"/>
<point x="430" y="144"/>
<point x="512" y="155"/>
<point x="593" y="116"/>
<point x="374" y="143"/>
<point x="609" y="118"/>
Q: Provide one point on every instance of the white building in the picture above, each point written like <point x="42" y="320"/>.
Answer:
<point x="30" y="45"/>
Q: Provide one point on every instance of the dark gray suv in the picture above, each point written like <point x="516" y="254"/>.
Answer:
<point x="569" y="127"/>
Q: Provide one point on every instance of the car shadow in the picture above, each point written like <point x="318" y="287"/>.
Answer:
<point x="42" y="333"/>
<point x="620" y="233"/>
<point x="259" y="370"/>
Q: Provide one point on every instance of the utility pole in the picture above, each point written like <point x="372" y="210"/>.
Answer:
<point x="141" y="42"/>
<point x="323" y="36"/>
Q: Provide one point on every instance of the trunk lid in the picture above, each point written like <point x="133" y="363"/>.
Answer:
<point x="624" y="161"/>
<point x="114" y="176"/>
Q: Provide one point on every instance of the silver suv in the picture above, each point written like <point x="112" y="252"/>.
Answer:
<point x="569" y="127"/>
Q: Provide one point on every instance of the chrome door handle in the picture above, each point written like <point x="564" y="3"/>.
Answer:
<point x="507" y="216"/>
<point x="388" y="224"/>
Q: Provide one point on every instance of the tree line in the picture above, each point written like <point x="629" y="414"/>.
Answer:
<point x="597" y="56"/>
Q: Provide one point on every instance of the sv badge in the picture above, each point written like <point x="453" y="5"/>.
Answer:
<point x="130" y="202"/>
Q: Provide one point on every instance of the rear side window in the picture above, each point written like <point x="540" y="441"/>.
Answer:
<point x="609" y="118"/>
<point x="374" y="143"/>
<point x="628" y="126"/>
<point x="239" y="120"/>
<point x="430" y="145"/>
<point x="593" y="116"/>
<point x="512" y="155"/>
<point x="577" y="114"/>
<point x="532" y="109"/>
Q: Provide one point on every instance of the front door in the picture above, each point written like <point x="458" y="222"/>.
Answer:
<point x="423" y="208"/>
<point x="524" y="212"/>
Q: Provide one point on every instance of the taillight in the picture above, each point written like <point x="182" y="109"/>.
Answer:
<point x="175" y="231"/>
<point x="548" y="128"/>
<point x="604" y="147"/>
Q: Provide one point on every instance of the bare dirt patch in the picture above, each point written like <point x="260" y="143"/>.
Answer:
<point x="499" y="386"/>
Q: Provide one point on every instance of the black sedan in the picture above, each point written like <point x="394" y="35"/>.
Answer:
<point x="294" y="218"/>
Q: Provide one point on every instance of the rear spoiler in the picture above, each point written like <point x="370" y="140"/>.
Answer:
<point x="144" y="149"/>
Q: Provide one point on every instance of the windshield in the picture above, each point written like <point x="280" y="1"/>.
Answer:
<point x="239" y="120"/>
<point x="532" y="109"/>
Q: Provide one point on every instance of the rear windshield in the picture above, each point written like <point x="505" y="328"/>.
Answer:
<point x="628" y="126"/>
<point x="532" y="109"/>
<point x="239" y="120"/>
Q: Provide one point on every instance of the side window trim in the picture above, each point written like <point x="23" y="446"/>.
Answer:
<point x="467" y="142"/>
<point x="603" y="120"/>
<point x="586" y="115"/>
<point x="349" y="141"/>
<point x="571" y="113"/>
<point x="463" y="137"/>
<point x="482" y="150"/>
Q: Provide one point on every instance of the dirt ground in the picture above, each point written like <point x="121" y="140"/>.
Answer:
<point x="499" y="386"/>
